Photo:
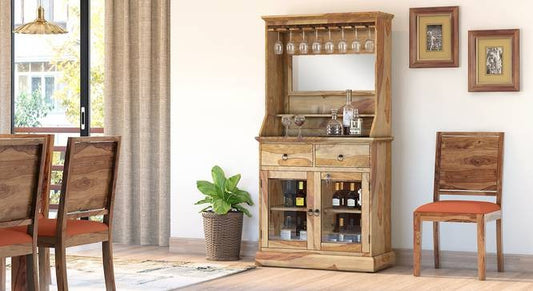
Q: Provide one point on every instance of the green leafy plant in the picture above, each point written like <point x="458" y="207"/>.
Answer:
<point x="223" y="194"/>
<point x="30" y="108"/>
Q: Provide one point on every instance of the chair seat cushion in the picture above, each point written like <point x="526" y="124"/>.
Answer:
<point x="459" y="207"/>
<point x="12" y="236"/>
<point x="47" y="227"/>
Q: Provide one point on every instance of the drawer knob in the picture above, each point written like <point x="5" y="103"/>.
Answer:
<point x="317" y="212"/>
<point x="284" y="157"/>
<point x="310" y="212"/>
<point x="340" y="157"/>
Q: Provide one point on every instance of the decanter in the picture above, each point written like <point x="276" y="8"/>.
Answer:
<point x="334" y="127"/>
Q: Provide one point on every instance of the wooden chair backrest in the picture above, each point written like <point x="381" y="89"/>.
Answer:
<point x="469" y="163"/>
<point x="45" y="195"/>
<point x="22" y="163"/>
<point x="89" y="177"/>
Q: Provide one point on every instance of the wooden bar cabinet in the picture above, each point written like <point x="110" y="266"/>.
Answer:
<point x="300" y="225"/>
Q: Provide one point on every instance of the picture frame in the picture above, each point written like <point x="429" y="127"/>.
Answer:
<point x="494" y="60"/>
<point x="434" y="37"/>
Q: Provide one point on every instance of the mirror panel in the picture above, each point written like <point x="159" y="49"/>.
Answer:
<point x="333" y="72"/>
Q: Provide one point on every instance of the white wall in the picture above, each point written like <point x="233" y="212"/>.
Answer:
<point x="218" y="98"/>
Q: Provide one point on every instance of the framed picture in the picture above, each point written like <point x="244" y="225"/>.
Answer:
<point x="494" y="60"/>
<point x="434" y="37"/>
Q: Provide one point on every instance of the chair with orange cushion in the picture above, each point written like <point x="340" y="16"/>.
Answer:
<point x="43" y="211"/>
<point x="88" y="189"/>
<point x="466" y="164"/>
<point x="22" y="167"/>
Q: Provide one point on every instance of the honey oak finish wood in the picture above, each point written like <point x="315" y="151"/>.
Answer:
<point x="44" y="253"/>
<point x="466" y="163"/>
<point x="315" y="158"/>
<point x="22" y="169"/>
<point x="88" y="188"/>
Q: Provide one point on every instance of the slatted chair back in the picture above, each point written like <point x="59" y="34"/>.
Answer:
<point x="469" y="163"/>
<point x="89" y="178"/>
<point x="45" y="194"/>
<point x="22" y="166"/>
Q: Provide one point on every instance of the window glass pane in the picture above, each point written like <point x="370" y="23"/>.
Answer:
<point x="97" y="64"/>
<point x="35" y="85"/>
<point x="36" y="67"/>
<point x="23" y="67"/>
<point x="48" y="89"/>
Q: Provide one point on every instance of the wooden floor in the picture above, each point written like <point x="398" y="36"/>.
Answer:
<point x="396" y="278"/>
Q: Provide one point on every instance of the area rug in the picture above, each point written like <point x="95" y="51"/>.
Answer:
<point x="86" y="273"/>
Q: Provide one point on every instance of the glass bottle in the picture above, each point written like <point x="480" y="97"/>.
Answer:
<point x="334" y="127"/>
<point x="336" y="198"/>
<point x="300" y="195"/>
<point x="356" y="124"/>
<point x="351" y="198"/>
<point x="347" y="112"/>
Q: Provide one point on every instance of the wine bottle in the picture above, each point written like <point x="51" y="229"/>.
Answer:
<point x="336" y="198"/>
<point x="300" y="195"/>
<point x="347" y="112"/>
<point x="356" y="124"/>
<point x="342" y="194"/>
<point x="351" y="198"/>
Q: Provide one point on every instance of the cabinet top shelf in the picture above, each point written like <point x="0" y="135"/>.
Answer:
<point x="321" y="139"/>
<point x="320" y="115"/>
<point x="326" y="18"/>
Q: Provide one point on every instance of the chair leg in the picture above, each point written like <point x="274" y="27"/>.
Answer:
<point x="31" y="273"/>
<point x="436" y="248"/>
<point x="2" y="274"/>
<point x="499" y="244"/>
<point x="44" y="269"/>
<point x="61" y="268"/>
<point x="481" y="246"/>
<point x="417" y="241"/>
<point x="109" y="273"/>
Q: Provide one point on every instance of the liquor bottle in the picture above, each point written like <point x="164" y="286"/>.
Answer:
<point x="342" y="194"/>
<point x="336" y="198"/>
<point x="356" y="124"/>
<point x="351" y="197"/>
<point x="342" y="228"/>
<point x="347" y="112"/>
<point x="334" y="127"/>
<point x="300" y="195"/>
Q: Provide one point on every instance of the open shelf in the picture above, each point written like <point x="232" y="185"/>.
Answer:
<point x="355" y="93"/>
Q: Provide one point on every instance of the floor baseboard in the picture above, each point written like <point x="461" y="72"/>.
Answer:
<point x="404" y="257"/>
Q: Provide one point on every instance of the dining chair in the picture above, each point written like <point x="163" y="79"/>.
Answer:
<point x="22" y="167"/>
<point x="44" y="253"/>
<point x="466" y="164"/>
<point x="88" y="189"/>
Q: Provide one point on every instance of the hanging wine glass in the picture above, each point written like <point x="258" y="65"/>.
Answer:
<point x="369" y="43"/>
<point x="278" y="47"/>
<point x="316" y="47"/>
<point x="342" y="46"/>
<point x="299" y="121"/>
<point x="356" y="45"/>
<point x="303" y="47"/>
<point x="329" y="47"/>
<point x="286" y="120"/>
<point x="291" y="47"/>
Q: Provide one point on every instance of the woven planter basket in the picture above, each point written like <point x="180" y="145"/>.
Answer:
<point x="223" y="235"/>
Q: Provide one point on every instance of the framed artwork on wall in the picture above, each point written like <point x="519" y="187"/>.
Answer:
<point x="494" y="60"/>
<point x="434" y="37"/>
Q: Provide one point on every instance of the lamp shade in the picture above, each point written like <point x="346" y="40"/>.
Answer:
<point x="40" y="26"/>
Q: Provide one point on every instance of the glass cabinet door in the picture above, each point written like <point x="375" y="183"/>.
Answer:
<point x="287" y="210"/>
<point x="342" y="203"/>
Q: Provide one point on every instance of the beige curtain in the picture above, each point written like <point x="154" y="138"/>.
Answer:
<point x="5" y="66"/>
<point x="137" y="107"/>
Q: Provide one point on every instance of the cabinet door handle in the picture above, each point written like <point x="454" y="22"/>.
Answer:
<point x="284" y="157"/>
<point x="317" y="212"/>
<point x="340" y="157"/>
<point x="310" y="212"/>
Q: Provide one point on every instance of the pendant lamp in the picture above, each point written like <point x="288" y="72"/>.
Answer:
<point x="40" y="25"/>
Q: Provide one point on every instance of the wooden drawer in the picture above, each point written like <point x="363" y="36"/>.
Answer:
<point x="347" y="155"/>
<point x="287" y="155"/>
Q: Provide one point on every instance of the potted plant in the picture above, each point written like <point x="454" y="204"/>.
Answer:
<point x="223" y="216"/>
